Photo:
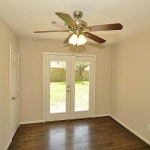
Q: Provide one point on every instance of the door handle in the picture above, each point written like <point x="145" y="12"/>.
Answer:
<point x="13" y="98"/>
<point x="68" y="91"/>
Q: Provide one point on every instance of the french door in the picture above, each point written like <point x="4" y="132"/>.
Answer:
<point x="68" y="87"/>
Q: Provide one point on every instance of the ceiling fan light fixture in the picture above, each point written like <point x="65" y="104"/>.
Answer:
<point x="73" y="39"/>
<point x="81" y="40"/>
<point x="79" y="29"/>
<point x="77" y="39"/>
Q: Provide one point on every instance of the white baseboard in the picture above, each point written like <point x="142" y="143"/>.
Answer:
<point x="31" y="122"/>
<point x="102" y="115"/>
<point x="8" y="144"/>
<point x="131" y="130"/>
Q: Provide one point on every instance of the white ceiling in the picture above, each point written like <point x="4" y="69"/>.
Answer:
<point x="27" y="16"/>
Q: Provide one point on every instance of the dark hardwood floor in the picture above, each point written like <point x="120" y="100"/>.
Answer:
<point x="87" y="134"/>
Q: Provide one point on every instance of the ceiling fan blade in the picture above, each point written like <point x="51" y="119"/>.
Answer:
<point x="51" y="31"/>
<point x="115" y="26"/>
<point x="67" y="39"/>
<point x="94" y="37"/>
<point x="66" y="18"/>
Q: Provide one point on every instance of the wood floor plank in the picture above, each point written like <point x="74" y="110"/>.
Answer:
<point x="86" y="134"/>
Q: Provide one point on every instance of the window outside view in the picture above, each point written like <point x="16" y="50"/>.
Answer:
<point x="58" y="86"/>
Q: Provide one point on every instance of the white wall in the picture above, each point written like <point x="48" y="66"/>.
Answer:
<point x="130" y="88"/>
<point x="6" y="37"/>
<point x="31" y="76"/>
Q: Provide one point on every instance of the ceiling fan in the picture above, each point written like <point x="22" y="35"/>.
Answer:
<point x="79" y="29"/>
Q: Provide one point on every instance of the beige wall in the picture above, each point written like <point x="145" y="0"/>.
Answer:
<point x="130" y="83"/>
<point x="31" y="76"/>
<point x="6" y="37"/>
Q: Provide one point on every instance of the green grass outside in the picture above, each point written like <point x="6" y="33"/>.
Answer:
<point x="58" y="93"/>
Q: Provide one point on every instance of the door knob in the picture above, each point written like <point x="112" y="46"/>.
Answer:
<point x="13" y="98"/>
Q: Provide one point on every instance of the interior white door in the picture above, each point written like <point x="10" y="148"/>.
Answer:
<point x="14" y="91"/>
<point x="68" y="87"/>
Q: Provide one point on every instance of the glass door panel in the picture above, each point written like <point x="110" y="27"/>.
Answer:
<point x="57" y="73"/>
<point x="81" y="86"/>
<point x="57" y="86"/>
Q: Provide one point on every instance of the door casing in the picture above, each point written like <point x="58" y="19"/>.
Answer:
<point x="44" y="79"/>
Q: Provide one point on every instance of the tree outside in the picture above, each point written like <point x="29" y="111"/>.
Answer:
<point x="80" y="68"/>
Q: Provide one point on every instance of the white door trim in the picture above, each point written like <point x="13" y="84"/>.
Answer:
<point x="44" y="79"/>
<point x="13" y="47"/>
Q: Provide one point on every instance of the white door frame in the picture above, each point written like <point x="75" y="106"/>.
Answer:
<point x="44" y="79"/>
<point x="13" y="47"/>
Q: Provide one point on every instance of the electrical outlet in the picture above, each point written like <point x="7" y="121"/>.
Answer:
<point x="148" y="126"/>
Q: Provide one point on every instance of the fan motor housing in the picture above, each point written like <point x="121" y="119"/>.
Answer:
<point x="81" y="23"/>
<point x="78" y="15"/>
